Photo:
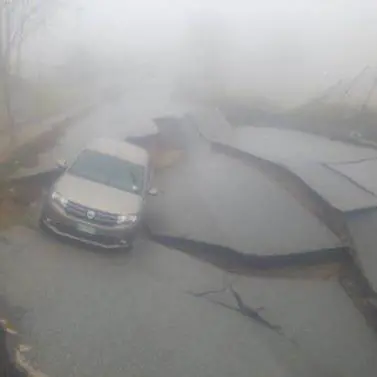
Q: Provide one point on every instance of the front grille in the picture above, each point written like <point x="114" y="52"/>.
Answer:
<point x="99" y="238"/>
<point x="81" y="212"/>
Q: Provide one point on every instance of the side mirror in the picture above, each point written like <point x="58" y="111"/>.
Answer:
<point x="62" y="164"/>
<point x="153" y="192"/>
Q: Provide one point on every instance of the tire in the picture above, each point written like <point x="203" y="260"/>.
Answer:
<point x="128" y="248"/>
<point x="130" y="243"/>
<point x="41" y="224"/>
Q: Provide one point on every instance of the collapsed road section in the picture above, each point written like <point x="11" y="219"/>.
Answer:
<point x="221" y="201"/>
<point x="255" y="213"/>
<point x="219" y="208"/>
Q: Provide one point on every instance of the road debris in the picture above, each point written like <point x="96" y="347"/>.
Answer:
<point x="24" y="348"/>
<point x="8" y="366"/>
<point x="13" y="363"/>
<point x="16" y="197"/>
<point x="25" y="365"/>
<point x="162" y="153"/>
<point x="7" y="327"/>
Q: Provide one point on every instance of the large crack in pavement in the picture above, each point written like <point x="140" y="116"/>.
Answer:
<point x="242" y="308"/>
<point x="233" y="260"/>
<point x="358" y="288"/>
<point x="349" y="179"/>
<point x="348" y="273"/>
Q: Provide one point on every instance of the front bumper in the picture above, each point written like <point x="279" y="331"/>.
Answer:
<point x="56" y="220"/>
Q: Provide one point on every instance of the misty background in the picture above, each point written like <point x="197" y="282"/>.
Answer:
<point x="281" y="52"/>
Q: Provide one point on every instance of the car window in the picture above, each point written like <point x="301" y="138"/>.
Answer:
<point x="109" y="170"/>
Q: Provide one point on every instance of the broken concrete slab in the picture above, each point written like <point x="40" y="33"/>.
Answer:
<point x="306" y="155"/>
<point x="286" y="145"/>
<point x="338" y="176"/>
<point x="218" y="200"/>
<point x="336" y="189"/>
<point x="316" y="160"/>
<point x="361" y="173"/>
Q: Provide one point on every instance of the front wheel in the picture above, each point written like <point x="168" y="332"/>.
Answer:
<point x="128" y="248"/>
<point x="41" y="223"/>
<point x="130" y="242"/>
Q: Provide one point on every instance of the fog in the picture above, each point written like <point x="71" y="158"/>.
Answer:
<point x="286" y="51"/>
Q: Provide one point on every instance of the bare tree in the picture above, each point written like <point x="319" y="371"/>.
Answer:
<point x="18" y="19"/>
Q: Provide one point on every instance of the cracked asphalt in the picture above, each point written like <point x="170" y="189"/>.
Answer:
<point x="88" y="312"/>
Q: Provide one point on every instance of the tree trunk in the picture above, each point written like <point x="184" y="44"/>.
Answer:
<point x="8" y="108"/>
<point x="5" y="74"/>
<point x="18" y="58"/>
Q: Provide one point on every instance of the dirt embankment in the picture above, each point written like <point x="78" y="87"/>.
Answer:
<point x="16" y="197"/>
<point x="8" y="367"/>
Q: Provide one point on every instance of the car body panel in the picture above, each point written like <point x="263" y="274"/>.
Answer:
<point x="97" y="196"/>
<point x="121" y="149"/>
<point x="95" y="200"/>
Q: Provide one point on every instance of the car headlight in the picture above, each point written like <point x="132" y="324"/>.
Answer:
<point x="122" y="219"/>
<point x="59" y="198"/>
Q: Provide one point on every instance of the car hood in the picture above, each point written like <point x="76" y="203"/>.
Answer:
<point x="97" y="196"/>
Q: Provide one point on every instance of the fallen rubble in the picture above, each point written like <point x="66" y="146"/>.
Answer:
<point x="8" y="366"/>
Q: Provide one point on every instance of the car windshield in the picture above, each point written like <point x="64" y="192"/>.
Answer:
<point x="109" y="170"/>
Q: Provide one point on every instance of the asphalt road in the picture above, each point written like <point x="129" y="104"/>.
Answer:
<point x="96" y="313"/>
<point x="88" y="313"/>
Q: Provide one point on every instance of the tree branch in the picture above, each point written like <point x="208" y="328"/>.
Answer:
<point x="21" y="27"/>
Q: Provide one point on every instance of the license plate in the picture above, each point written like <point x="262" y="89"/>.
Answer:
<point x="86" y="229"/>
